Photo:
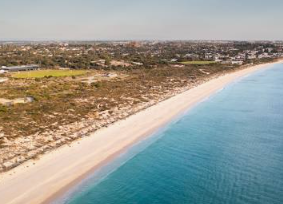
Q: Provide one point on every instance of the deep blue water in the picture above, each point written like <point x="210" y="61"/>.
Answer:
<point x="228" y="149"/>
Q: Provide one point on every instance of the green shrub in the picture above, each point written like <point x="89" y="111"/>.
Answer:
<point x="3" y="108"/>
<point x="96" y="84"/>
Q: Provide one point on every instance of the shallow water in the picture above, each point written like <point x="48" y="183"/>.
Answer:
<point x="228" y="149"/>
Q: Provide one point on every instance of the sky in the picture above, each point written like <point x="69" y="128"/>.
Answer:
<point x="141" y="19"/>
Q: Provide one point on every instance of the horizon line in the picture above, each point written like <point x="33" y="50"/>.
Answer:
<point x="134" y="40"/>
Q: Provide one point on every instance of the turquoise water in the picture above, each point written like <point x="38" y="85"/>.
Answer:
<point x="228" y="149"/>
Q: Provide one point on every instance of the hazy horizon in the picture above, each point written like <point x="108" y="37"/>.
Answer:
<point x="129" y="40"/>
<point x="109" y="20"/>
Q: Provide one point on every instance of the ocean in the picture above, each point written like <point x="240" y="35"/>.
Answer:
<point x="226" y="150"/>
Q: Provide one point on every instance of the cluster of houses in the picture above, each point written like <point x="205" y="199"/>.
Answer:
<point x="126" y="54"/>
<point x="232" y="56"/>
<point x="244" y="56"/>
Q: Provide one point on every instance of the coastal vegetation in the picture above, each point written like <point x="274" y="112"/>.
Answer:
<point x="65" y="108"/>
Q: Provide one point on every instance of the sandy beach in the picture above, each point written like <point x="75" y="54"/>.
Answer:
<point x="40" y="181"/>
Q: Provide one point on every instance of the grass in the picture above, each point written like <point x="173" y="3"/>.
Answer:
<point x="48" y="73"/>
<point x="198" y="62"/>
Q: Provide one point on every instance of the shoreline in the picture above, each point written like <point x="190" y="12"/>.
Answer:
<point x="62" y="168"/>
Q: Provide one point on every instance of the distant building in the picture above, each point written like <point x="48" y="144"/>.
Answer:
<point x="226" y="62"/>
<point x="20" y="68"/>
<point x="263" y="55"/>
<point x="252" y="56"/>
<point x="238" y="62"/>
<point x="137" y="63"/>
<point x="111" y="75"/>
<point x="134" y="44"/>
<point x="178" y="65"/>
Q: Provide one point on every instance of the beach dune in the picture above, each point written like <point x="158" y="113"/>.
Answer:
<point x="43" y="180"/>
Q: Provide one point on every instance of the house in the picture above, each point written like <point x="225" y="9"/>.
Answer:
<point x="226" y="62"/>
<point x="101" y="62"/>
<point x="263" y="55"/>
<point x="121" y="63"/>
<point x="218" y="60"/>
<point x="137" y="63"/>
<point x="251" y="56"/>
<point x="178" y="66"/>
<point x="20" y="68"/>
<point x="237" y="62"/>
<point x="111" y="75"/>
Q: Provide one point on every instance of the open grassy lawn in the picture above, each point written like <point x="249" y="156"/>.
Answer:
<point x="48" y="73"/>
<point x="198" y="62"/>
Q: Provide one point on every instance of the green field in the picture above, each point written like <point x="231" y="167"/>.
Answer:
<point x="48" y="73"/>
<point x="198" y="62"/>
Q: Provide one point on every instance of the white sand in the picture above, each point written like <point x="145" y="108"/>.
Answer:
<point x="57" y="170"/>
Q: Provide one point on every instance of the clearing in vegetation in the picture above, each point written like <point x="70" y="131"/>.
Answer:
<point x="48" y="73"/>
